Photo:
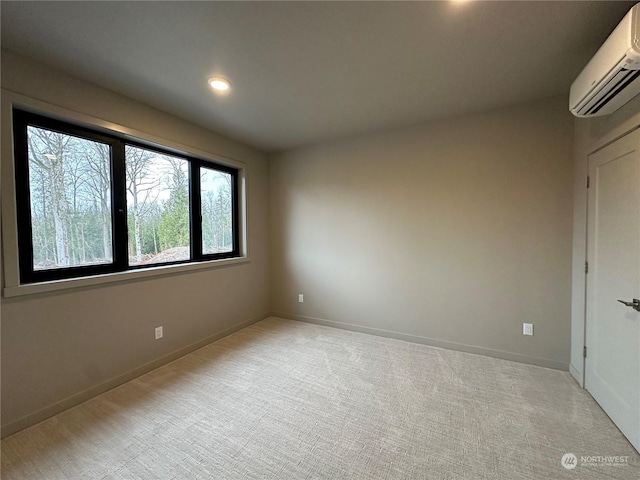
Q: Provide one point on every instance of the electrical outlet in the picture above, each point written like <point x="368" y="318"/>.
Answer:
<point x="159" y="333"/>
<point x="300" y="298"/>
<point x="527" y="328"/>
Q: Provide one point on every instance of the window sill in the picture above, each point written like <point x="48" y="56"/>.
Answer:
<point x="73" y="283"/>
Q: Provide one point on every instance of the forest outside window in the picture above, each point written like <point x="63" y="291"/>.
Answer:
<point x="90" y="202"/>
<point x="157" y="207"/>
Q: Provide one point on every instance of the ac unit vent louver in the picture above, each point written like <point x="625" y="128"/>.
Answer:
<point x="623" y="79"/>
<point x="612" y="77"/>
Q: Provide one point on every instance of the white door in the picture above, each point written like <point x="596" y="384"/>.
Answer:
<point x="612" y="368"/>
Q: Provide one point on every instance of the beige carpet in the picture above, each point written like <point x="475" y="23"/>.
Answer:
<point x="289" y="400"/>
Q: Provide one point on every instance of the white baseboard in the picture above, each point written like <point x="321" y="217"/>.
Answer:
<point x="516" y="357"/>
<point x="78" y="398"/>
<point x="577" y="375"/>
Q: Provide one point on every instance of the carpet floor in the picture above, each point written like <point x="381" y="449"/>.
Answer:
<point x="288" y="400"/>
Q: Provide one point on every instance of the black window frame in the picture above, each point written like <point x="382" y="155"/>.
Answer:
<point x="117" y="143"/>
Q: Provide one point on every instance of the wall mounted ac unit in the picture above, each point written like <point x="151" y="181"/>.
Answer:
<point x="612" y="77"/>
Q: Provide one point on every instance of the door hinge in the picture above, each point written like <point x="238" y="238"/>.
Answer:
<point x="588" y="181"/>
<point x="584" y="351"/>
<point x="586" y="267"/>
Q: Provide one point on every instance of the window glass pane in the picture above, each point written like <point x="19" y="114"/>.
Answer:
<point x="70" y="193"/>
<point x="157" y="207"/>
<point x="215" y="187"/>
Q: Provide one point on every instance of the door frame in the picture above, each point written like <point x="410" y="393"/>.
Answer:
<point x="579" y="262"/>
<point x="626" y="144"/>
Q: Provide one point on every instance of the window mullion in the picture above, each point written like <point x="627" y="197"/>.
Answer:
<point x="119" y="201"/>
<point x="195" y="210"/>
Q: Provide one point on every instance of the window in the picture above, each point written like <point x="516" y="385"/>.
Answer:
<point x="216" y="211"/>
<point x="157" y="207"/>
<point x="70" y="197"/>
<point x="90" y="202"/>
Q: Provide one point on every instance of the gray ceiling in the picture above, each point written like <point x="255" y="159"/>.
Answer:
<point x="303" y="72"/>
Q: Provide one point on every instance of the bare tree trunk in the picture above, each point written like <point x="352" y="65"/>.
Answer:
<point x="59" y="213"/>
<point x="136" y="225"/>
<point x="155" y="240"/>
<point x="84" y="245"/>
<point x="106" y="244"/>
<point x="62" y="253"/>
<point x="106" y="223"/>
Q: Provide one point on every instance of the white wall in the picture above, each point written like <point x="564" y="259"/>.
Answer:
<point x="60" y="348"/>
<point x="452" y="233"/>
<point x="590" y="135"/>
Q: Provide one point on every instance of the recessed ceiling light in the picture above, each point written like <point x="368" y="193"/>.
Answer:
<point x="219" y="84"/>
